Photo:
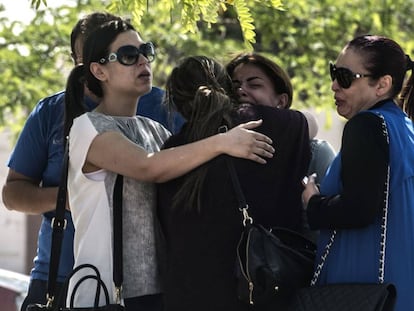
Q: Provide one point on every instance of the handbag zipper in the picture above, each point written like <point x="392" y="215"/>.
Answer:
<point x="244" y="272"/>
<point x="251" y="285"/>
<point x="251" y="293"/>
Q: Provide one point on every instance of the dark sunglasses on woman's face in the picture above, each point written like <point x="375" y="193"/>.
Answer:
<point x="344" y="76"/>
<point x="128" y="55"/>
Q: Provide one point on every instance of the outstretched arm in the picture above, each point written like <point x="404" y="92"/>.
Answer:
<point x="114" y="152"/>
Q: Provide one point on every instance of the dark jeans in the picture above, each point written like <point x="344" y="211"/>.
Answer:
<point x="37" y="293"/>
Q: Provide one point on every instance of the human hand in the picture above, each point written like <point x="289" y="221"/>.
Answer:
<point x="310" y="189"/>
<point x="242" y="142"/>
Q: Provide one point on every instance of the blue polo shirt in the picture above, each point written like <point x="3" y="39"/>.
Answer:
<point x="38" y="154"/>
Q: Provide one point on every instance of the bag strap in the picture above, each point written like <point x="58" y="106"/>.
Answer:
<point x="243" y="206"/>
<point x="58" y="224"/>
<point x="383" y="238"/>
<point x="118" y="247"/>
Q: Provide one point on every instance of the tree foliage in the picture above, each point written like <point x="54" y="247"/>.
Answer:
<point x="33" y="58"/>
<point x="302" y="36"/>
<point x="190" y="12"/>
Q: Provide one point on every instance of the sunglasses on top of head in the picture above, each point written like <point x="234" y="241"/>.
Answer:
<point x="128" y="55"/>
<point x="344" y="76"/>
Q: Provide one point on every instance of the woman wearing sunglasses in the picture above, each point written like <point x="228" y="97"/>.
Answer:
<point x="367" y="80"/>
<point x="111" y="140"/>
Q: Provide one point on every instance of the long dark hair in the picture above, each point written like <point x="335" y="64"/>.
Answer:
<point x="199" y="89"/>
<point x="383" y="56"/>
<point x="96" y="46"/>
<point x="85" y="26"/>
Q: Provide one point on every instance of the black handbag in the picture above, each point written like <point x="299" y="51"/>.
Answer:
<point x="345" y="297"/>
<point x="100" y="285"/>
<point x="59" y="224"/>
<point x="270" y="263"/>
<point x="349" y="296"/>
<point x="117" y="263"/>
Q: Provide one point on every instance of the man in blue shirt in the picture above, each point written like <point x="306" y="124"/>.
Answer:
<point x="35" y="166"/>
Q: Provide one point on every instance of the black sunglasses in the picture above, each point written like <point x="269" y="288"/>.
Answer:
<point x="128" y="55"/>
<point x="344" y="76"/>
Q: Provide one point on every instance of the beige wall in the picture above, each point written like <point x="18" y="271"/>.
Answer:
<point x="12" y="224"/>
<point x="330" y="127"/>
<point x="18" y="232"/>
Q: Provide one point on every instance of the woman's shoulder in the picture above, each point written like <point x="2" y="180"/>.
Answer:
<point x="248" y="112"/>
<point x="363" y="121"/>
<point x="152" y="126"/>
<point x="364" y="131"/>
<point x="100" y="121"/>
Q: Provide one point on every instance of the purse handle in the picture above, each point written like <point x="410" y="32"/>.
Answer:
<point x="99" y="284"/>
<point x="59" y="222"/>
<point x="383" y="227"/>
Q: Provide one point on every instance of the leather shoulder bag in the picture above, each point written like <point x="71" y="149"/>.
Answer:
<point x="270" y="262"/>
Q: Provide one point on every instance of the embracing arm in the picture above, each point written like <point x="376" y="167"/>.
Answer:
<point x="23" y="194"/>
<point x="126" y="158"/>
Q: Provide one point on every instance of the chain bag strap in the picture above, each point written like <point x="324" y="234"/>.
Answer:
<point x="354" y="296"/>
<point x="383" y="228"/>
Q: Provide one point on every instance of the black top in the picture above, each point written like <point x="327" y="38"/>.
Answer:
<point x="201" y="246"/>
<point x="365" y="157"/>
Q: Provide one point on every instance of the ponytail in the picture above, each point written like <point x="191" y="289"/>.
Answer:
<point x="212" y="108"/>
<point x="74" y="97"/>
<point x="199" y="89"/>
<point x="407" y="96"/>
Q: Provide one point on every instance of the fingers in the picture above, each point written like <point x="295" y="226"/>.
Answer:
<point x="310" y="188"/>
<point x="249" y="144"/>
<point x="262" y="137"/>
<point x="263" y="149"/>
<point x="258" y="136"/>
<point x="256" y="158"/>
<point x="305" y="180"/>
<point x="251" y="124"/>
<point x="310" y="179"/>
<point x="260" y="156"/>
